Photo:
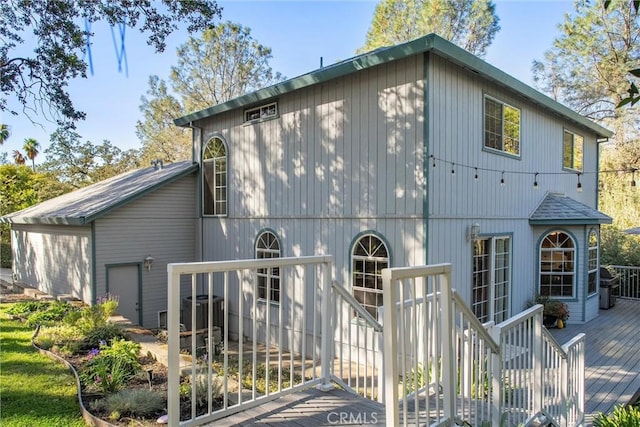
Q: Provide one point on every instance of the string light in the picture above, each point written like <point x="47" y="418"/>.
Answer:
<point x="434" y="160"/>
<point x="535" y="181"/>
<point x="502" y="179"/>
<point x="476" y="175"/>
<point x="453" y="170"/>
<point x="579" y="186"/>
<point x="633" y="179"/>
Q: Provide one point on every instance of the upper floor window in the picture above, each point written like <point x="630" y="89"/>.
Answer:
<point x="369" y="257"/>
<point x="557" y="265"/>
<point x="501" y="126"/>
<point x="572" y="151"/>
<point x="261" y="112"/>
<point x="594" y="248"/>
<point x="214" y="177"/>
<point x="267" y="246"/>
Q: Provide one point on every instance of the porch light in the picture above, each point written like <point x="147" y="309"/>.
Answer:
<point x="147" y="262"/>
<point x="473" y="232"/>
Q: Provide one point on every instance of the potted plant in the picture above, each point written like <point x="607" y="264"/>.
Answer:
<point x="554" y="314"/>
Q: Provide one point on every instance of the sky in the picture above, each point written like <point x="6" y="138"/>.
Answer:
<point x="299" y="32"/>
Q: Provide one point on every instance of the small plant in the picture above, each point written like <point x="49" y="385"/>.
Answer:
<point x="621" y="416"/>
<point x="64" y="338"/>
<point x="202" y="398"/>
<point x="51" y="315"/>
<point x="108" y="332"/>
<point x="25" y="308"/>
<point x="108" y="368"/>
<point x="95" y="316"/>
<point x="131" y="403"/>
<point x="553" y="308"/>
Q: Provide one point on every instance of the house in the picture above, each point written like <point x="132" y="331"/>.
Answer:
<point x="115" y="236"/>
<point x="419" y="153"/>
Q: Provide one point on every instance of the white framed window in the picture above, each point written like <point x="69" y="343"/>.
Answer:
<point x="268" y="246"/>
<point x="261" y="112"/>
<point x="491" y="290"/>
<point x="557" y="265"/>
<point x="501" y="126"/>
<point x="572" y="151"/>
<point x="214" y="178"/>
<point x="369" y="256"/>
<point x="594" y="261"/>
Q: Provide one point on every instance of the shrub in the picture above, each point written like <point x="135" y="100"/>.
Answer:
<point x="95" y="316"/>
<point x="63" y="337"/>
<point x="52" y="314"/>
<point x="108" y="368"/>
<point x="106" y="333"/>
<point x="201" y="389"/>
<point x="5" y="255"/>
<point x="131" y="403"/>
<point x="25" y="308"/>
<point x="622" y="416"/>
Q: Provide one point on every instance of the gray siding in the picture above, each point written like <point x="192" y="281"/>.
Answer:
<point x="161" y="224"/>
<point x="55" y="258"/>
<point x="457" y="200"/>
<point x="342" y="158"/>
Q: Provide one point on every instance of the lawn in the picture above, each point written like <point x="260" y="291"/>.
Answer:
<point x="34" y="389"/>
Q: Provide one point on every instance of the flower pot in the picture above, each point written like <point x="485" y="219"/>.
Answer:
<point x="549" y="321"/>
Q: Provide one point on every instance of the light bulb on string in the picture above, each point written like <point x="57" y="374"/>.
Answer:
<point x="579" y="186"/>
<point x="453" y="170"/>
<point x="476" y="175"/>
<point x="502" y="179"/>
<point x="535" y="181"/>
<point x="433" y="158"/>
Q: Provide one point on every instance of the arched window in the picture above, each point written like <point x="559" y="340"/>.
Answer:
<point x="557" y="265"/>
<point x="369" y="257"/>
<point x="594" y="258"/>
<point x="267" y="246"/>
<point x="214" y="177"/>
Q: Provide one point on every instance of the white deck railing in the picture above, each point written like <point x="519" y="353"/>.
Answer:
<point x="282" y="346"/>
<point x="629" y="285"/>
<point x="453" y="370"/>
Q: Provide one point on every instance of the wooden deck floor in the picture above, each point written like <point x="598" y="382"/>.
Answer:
<point x="612" y="365"/>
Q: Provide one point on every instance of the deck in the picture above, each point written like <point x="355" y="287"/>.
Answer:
<point x="612" y="377"/>
<point x="612" y="364"/>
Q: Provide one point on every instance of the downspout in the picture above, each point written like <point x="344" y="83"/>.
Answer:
<point x="94" y="267"/>
<point x="196" y="158"/>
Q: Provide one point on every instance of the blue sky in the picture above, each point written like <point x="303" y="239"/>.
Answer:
<point x="299" y="33"/>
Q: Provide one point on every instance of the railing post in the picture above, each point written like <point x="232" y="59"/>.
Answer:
<point x="496" y="377"/>
<point x="390" y="338"/>
<point x="448" y="355"/>
<point x="326" y="333"/>
<point x="538" y="368"/>
<point x="173" y="328"/>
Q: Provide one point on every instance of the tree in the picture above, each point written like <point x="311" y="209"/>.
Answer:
<point x="78" y="163"/>
<point x="31" y="147"/>
<point x="224" y="63"/>
<point x="4" y="133"/>
<point x="38" y="81"/>
<point x="18" y="158"/>
<point x="471" y="24"/>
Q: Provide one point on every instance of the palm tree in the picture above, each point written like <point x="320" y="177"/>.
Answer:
<point x="18" y="157"/>
<point x="4" y="133"/>
<point x="31" y="149"/>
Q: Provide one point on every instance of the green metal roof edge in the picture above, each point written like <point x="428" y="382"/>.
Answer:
<point x="84" y="220"/>
<point x="169" y="179"/>
<point x="427" y="43"/>
<point x="571" y="221"/>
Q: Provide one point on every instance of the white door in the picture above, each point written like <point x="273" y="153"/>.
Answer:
<point x="123" y="281"/>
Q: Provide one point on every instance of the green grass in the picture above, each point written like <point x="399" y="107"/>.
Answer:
<point x="34" y="389"/>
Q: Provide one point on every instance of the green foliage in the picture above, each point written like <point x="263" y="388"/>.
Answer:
<point x="77" y="164"/>
<point x="417" y="378"/>
<point x="64" y="339"/>
<point x="25" y="308"/>
<point x="54" y="313"/>
<point x="127" y="351"/>
<point x="470" y="24"/>
<point x="202" y="396"/>
<point x="5" y="255"/>
<point x="203" y="60"/>
<point x="108" y="368"/>
<point x="103" y="333"/>
<point x="35" y="390"/>
<point x="622" y="416"/>
<point x="131" y="403"/>
<point x="38" y="80"/>
<point x="619" y="248"/>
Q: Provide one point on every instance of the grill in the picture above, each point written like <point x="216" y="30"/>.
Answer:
<point x="609" y="283"/>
